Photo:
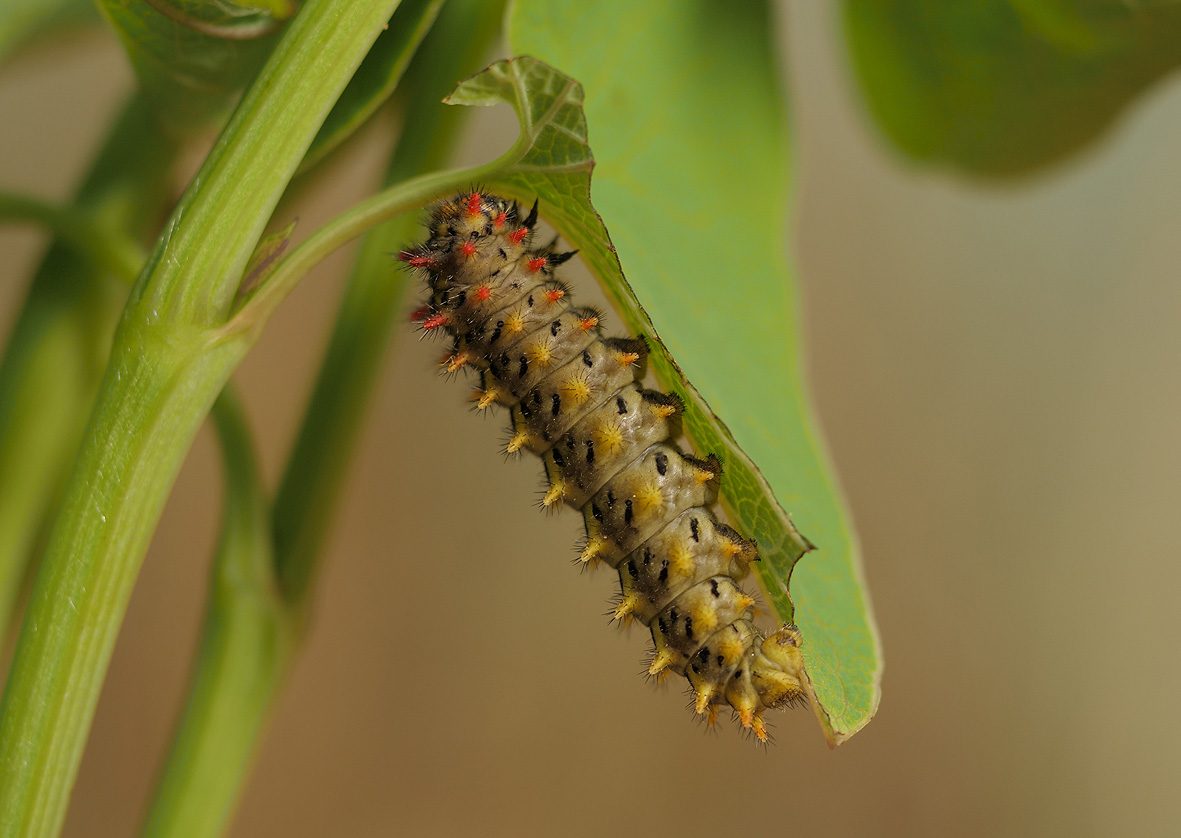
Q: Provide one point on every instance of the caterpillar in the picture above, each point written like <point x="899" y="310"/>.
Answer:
<point x="576" y="399"/>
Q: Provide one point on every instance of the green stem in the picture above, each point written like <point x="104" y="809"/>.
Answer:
<point x="110" y="250"/>
<point x="58" y="346"/>
<point x="245" y="641"/>
<point x="412" y="194"/>
<point x="246" y="646"/>
<point x="310" y="489"/>
<point x="377" y="78"/>
<point x="240" y="181"/>
<point x="166" y="369"/>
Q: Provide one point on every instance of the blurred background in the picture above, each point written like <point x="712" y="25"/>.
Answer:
<point x="996" y="368"/>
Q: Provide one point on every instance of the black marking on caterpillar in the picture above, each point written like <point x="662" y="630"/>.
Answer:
<point x="606" y="444"/>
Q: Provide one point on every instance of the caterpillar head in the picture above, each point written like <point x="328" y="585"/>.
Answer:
<point x="473" y="237"/>
<point x="468" y="217"/>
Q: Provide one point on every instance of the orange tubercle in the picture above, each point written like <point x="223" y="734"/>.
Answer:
<point x="473" y="204"/>
<point x="456" y="362"/>
<point x="702" y="700"/>
<point x="486" y="399"/>
<point x="519" y="441"/>
<point x="468" y="248"/>
<point x="536" y="263"/>
<point x="517" y="236"/>
<point x="556" y="492"/>
<point x="660" y="662"/>
<point x="760" y="728"/>
<point x="730" y="549"/>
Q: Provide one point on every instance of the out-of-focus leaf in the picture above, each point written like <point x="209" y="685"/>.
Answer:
<point x="278" y="9"/>
<point x="192" y="56"/>
<point x="1000" y="87"/>
<point x="691" y="170"/>
<point x="24" y="21"/>
<point x="377" y="76"/>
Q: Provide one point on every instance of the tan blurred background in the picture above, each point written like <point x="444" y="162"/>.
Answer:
<point x="997" y="373"/>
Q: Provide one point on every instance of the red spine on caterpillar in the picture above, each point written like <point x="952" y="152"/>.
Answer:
<point x="608" y="447"/>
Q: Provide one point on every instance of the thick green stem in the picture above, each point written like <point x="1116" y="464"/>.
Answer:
<point x="245" y="642"/>
<point x="159" y="385"/>
<point x="58" y="346"/>
<point x="246" y="645"/>
<point x="268" y="129"/>
<point x="167" y="366"/>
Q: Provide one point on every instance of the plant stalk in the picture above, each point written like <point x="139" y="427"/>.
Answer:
<point x="246" y="642"/>
<point x="309" y="491"/>
<point x="246" y="646"/>
<point x="167" y="366"/>
<point x="58" y="346"/>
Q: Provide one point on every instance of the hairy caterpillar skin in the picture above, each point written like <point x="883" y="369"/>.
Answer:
<point x="575" y="400"/>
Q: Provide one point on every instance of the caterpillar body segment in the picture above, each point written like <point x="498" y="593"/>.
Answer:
<point x="608" y="448"/>
<point x="593" y="449"/>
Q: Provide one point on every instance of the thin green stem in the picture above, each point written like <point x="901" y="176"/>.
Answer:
<point x="412" y="194"/>
<point x="110" y="250"/>
<point x="164" y="374"/>
<point x="378" y="76"/>
<point x="245" y="641"/>
<point x="310" y="489"/>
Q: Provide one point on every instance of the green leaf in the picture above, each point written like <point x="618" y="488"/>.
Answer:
<point x="192" y="57"/>
<point x="691" y="171"/>
<point x="279" y="9"/>
<point x="376" y="78"/>
<point x="1001" y="88"/>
